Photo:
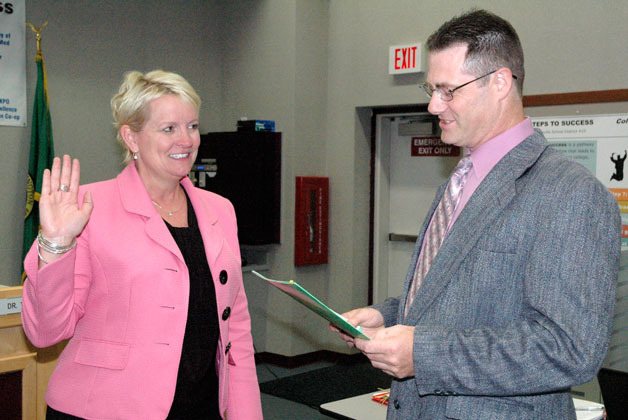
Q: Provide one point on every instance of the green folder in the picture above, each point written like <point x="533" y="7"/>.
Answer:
<point x="301" y="295"/>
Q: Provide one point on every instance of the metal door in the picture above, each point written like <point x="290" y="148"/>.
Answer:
<point x="404" y="187"/>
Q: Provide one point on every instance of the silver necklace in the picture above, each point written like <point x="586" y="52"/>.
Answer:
<point x="168" y="212"/>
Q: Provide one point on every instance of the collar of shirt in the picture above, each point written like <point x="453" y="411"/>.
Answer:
<point x="487" y="155"/>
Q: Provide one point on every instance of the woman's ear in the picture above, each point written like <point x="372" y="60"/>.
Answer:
<point x="129" y="138"/>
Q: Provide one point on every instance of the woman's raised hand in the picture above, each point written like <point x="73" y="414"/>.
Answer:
<point x="61" y="216"/>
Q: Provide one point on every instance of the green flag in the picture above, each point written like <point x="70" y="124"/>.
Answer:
<point x="41" y="154"/>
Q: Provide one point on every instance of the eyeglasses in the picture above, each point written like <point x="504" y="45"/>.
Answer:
<point x="447" y="94"/>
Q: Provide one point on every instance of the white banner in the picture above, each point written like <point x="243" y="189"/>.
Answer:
<point x="600" y="143"/>
<point x="12" y="63"/>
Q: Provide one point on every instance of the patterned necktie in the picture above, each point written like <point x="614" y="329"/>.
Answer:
<point x="437" y="230"/>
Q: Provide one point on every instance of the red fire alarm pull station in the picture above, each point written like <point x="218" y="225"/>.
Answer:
<point x="311" y="220"/>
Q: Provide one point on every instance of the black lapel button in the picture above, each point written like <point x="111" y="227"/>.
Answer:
<point x="228" y="347"/>
<point x="226" y="313"/>
<point x="223" y="277"/>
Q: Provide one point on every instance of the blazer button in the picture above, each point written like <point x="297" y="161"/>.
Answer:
<point x="226" y="313"/>
<point x="223" y="277"/>
<point x="228" y="347"/>
<point x="396" y="404"/>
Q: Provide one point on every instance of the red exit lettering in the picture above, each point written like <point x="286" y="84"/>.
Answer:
<point x="405" y="58"/>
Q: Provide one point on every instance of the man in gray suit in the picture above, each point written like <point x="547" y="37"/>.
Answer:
<point x="516" y="306"/>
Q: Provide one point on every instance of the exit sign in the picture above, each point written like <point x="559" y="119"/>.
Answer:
<point x="405" y="59"/>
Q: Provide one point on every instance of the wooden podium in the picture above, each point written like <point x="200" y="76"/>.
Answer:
<point x="24" y="369"/>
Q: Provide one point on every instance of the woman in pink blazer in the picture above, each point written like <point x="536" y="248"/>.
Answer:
<point x="142" y="274"/>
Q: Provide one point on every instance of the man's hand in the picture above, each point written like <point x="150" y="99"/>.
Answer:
<point x="390" y="350"/>
<point x="369" y="319"/>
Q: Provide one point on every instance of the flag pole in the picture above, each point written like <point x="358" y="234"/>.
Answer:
<point x="41" y="147"/>
<point x="37" y="34"/>
<point x="39" y="57"/>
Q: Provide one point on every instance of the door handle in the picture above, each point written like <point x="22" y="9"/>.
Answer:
<point x="398" y="237"/>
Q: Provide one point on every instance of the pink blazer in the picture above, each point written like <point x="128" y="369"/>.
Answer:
<point x="121" y="298"/>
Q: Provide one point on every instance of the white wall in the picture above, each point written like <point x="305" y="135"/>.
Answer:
<point x="569" y="45"/>
<point x="276" y="68"/>
<point x="88" y="45"/>
<point x="359" y="32"/>
<point x="308" y="65"/>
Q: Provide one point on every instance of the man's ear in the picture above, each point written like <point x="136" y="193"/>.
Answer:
<point x="504" y="81"/>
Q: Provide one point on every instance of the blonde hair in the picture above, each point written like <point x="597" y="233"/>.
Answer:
<point x="130" y="105"/>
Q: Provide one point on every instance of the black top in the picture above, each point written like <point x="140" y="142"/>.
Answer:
<point x="196" y="394"/>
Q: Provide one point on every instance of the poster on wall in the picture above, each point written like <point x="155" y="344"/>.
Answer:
<point x="598" y="142"/>
<point x="12" y="63"/>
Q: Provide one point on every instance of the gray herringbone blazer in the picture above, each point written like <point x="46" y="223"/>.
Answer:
<point x="517" y="306"/>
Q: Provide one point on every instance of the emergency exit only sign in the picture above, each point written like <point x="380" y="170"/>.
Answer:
<point x="405" y="59"/>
